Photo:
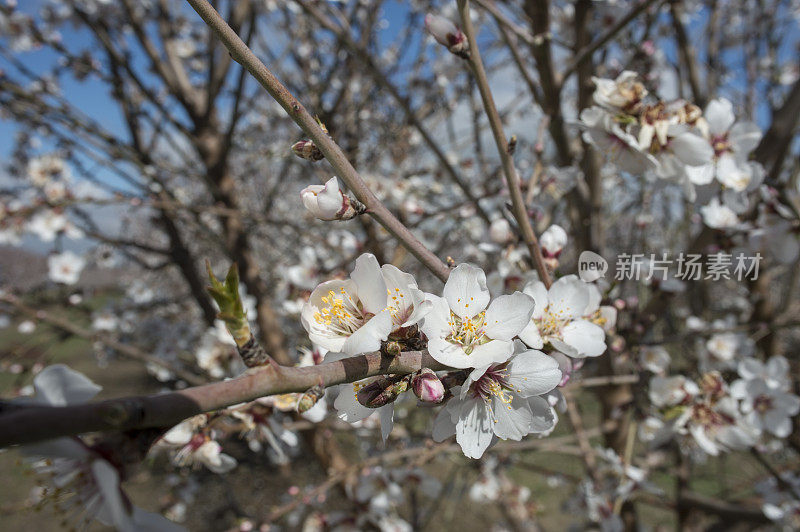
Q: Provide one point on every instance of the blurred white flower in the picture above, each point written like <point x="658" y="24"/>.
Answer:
<point x="731" y="144"/>
<point x="655" y="359"/>
<point x="193" y="447"/>
<point x="766" y="408"/>
<point x="718" y="216"/>
<point x="553" y="240"/>
<point x="26" y="327"/>
<point x="500" y="231"/>
<point x="82" y="484"/>
<point x="622" y="94"/>
<point x="65" y="267"/>
<point x="47" y="224"/>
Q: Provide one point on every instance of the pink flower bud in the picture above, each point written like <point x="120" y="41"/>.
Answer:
<point x="447" y="34"/>
<point x="427" y="386"/>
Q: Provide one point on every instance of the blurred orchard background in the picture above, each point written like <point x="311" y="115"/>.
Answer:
<point x="135" y="149"/>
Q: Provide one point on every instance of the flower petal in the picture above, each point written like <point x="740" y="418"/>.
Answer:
<point x="719" y="115"/>
<point x="58" y="385"/>
<point x="369" y="280"/>
<point x="494" y="352"/>
<point x="347" y="406"/>
<point x="466" y="291"/>
<point x="474" y="428"/>
<point x="530" y="335"/>
<point x="586" y="337"/>
<point x="436" y="323"/>
<point x="538" y="291"/>
<point x="508" y="315"/>
<point x="443" y="425"/>
<point x="512" y="421"/>
<point x="543" y="416"/>
<point x="692" y="149"/>
<point x="744" y="137"/>
<point x="533" y="373"/>
<point x="447" y="353"/>
<point x="369" y="336"/>
<point x="568" y="297"/>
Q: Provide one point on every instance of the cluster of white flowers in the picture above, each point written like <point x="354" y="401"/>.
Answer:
<point x="502" y="393"/>
<point x="677" y="141"/>
<point x="719" y="417"/>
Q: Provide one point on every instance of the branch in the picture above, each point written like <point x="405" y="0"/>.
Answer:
<point x="775" y="144"/>
<point x="512" y="178"/>
<point x="687" y="52"/>
<point x="337" y="159"/>
<point x="586" y="52"/>
<point x="19" y="425"/>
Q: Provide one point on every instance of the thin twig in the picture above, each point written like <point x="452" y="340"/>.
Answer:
<point x="126" y="350"/>
<point x="496" y="124"/>
<point x="242" y="54"/>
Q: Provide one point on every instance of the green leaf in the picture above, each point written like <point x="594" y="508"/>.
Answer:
<point x="229" y="301"/>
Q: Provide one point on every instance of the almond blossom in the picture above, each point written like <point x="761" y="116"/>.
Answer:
<point x="350" y="410"/>
<point x="192" y="446"/>
<point x="766" y="408"/>
<point x="621" y="94"/>
<point x="559" y="318"/>
<point x="327" y="202"/>
<point x="462" y="332"/>
<point x="354" y="316"/>
<point x="719" y="216"/>
<point x="610" y="137"/>
<point x="553" y="240"/>
<point x="732" y="142"/>
<point x="705" y="411"/>
<point x="447" y="34"/>
<point x="65" y="267"/>
<point x="500" y="401"/>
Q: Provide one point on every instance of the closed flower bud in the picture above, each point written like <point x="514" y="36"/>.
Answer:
<point x="310" y="398"/>
<point x="553" y="241"/>
<point x="327" y="202"/>
<point x="382" y="391"/>
<point x="500" y="231"/>
<point x="392" y="349"/>
<point x="447" y="34"/>
<point x="306" y="149"/>
<point x="427" y="386"/>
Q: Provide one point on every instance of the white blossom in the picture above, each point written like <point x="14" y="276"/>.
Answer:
<point x="65" y="267"/>
<point x="719" y="216"/>
<point x="558" y="318"/>
<point x="327" y="202"/>
<point x="501" y="400"/>
<point x="731" y="144"/>
<point x="462" y="332"/>
<point x="354" y="316"/>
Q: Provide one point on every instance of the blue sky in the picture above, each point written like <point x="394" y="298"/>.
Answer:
<point x="93" y="97"/>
